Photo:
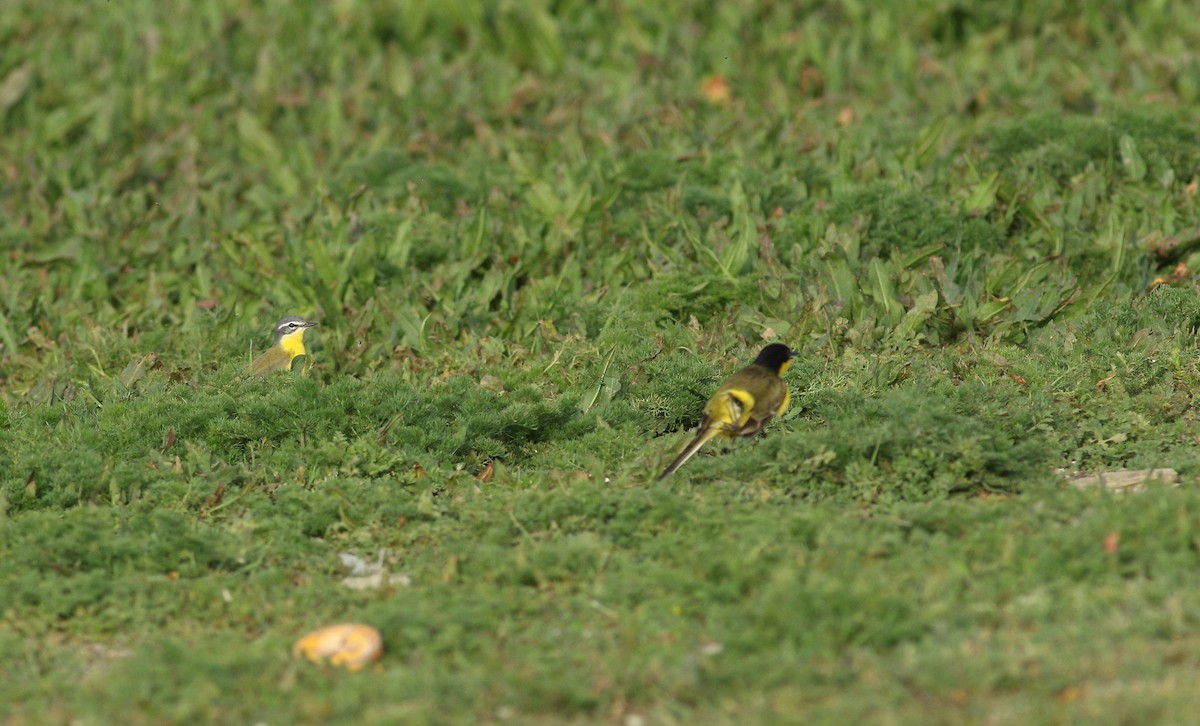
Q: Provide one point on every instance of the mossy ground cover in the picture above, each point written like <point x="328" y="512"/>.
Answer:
<point x="536" y="237"/>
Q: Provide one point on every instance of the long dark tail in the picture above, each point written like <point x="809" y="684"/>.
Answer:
<point x="702" y="438"/>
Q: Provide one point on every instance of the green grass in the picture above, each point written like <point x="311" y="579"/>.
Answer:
<point x="534" y="247"/>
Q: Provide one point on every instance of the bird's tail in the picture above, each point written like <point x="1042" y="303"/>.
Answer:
<point x="702" y="438"/>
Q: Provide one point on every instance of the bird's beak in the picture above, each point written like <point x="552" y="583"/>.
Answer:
<point x="310" y="324"/>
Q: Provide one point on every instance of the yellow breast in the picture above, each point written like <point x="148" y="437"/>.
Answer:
<point x="280" y="357"/>
<point x="293" y="344"/>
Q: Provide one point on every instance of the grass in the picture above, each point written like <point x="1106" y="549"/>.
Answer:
<point x="536" y="236"/>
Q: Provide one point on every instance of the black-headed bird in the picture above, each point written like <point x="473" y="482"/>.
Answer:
<point x="744" y="403"/>
<point x="289" y="344"/>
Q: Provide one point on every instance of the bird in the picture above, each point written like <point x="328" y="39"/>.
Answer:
<point x="744" y="403"/>
<point x="289" y="343"/>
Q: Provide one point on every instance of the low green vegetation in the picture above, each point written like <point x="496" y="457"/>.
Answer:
<point x="536" y="237"/>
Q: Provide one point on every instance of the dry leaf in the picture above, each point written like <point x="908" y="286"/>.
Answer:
<point x="14" y="86"/>
<point x="349" y="644"/>
<point x="485" y="476"/>
<point x="450" y="572"/>
<point x="1112" y="540"/>
<point x="812" y="81"/>
<point x="492" y="383"/>
<point x="715" y="89"/>
<point x="366" y="575"/>
<point x="215" y="498"/>
<point x="137" y="369"/>
<point x="1125" y="480"/>
<point x="376" y="580"/>
<point x="39" y="339"/>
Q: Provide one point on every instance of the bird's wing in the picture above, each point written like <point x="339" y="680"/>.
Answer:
<point x="767" y="409"/>
<point x="275" y="359"/>
<point x="728" y="410"/>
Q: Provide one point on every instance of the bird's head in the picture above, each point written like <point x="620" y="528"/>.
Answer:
<point x="776" y="357"/>
<point x="291" y="330"/>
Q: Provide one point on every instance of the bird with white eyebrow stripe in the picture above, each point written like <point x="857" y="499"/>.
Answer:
<point x="289" y="345"/>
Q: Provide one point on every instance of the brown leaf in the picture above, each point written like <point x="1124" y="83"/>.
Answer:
<point x="996" y="496"/>
<point x="1112" y="541"/>
<point x="215" y="498"/>
<point x="39" y="339"/>
<point x="137" y="369"/>
<point x="1125" y="480"/>
<point x="14" y="86"/>
<point x="485" y="476"/>
<point x="169" y="439"/>
<point x="715" y="89"/>
<point x="492" y="383"/>
<point x="450" y="571"/>
<point x="812" y="81"/>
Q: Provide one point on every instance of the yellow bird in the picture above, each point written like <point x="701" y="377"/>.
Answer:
<point x="289" y="344"/>
<point x="745" y="403"/>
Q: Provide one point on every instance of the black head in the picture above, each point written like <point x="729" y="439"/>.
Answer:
<point x="775" y="356"/>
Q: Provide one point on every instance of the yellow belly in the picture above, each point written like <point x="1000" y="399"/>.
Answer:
<point x="293" y="344"/>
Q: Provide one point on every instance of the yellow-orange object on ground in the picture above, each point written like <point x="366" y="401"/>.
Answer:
<point x="350" y="644"/>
